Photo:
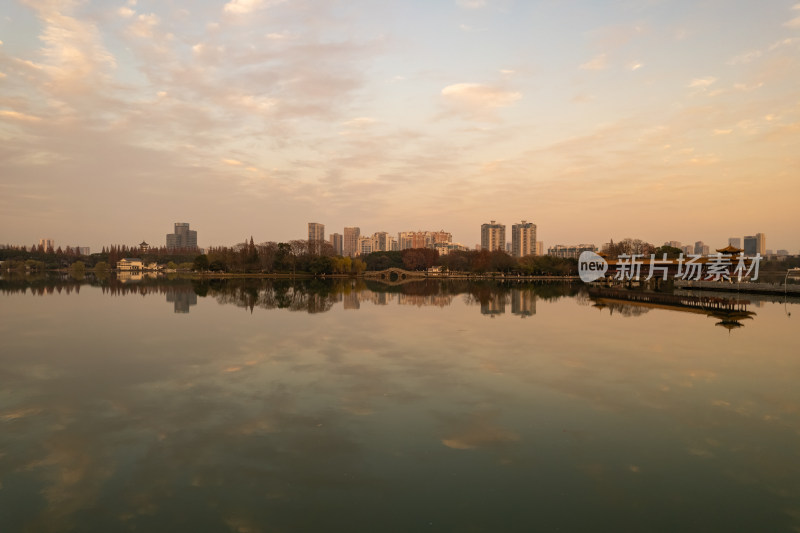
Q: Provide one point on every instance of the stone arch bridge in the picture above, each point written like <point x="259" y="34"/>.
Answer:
<point x="395" y="276"/>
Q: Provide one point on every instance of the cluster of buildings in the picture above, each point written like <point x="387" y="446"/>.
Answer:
<point x="352" y="243"/>
<point x="750" y="244"/>
<point x="493" y="237"/>
<point x="49" y="245"/>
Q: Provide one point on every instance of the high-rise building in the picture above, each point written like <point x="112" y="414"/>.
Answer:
<point x="47" y="244"/>
<point x="539" y="248"/>
<point x="750" y="244"/>
<point x="381" y="242"/>
<point x="316" y="236"/>
<point x="493" y="236"/>
<point x="736" y="242"/>
<point x="755" y="244"/>
<point x="337" y="243"/>
<point x="700" y="248"/>
<point x="761" y="243"/>
<point x="364" y="246"/>
<point x="183" y="238"/>
<point x="523" y="239"/>
<point x="350" y="245"/>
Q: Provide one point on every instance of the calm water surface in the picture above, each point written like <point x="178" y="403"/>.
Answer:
<point x="268" y="407"/>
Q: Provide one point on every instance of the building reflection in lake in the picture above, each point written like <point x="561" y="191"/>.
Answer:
<point x="523" y="303"/>
<point x="183" y="299"/>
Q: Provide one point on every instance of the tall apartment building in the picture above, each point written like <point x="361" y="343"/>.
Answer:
<point x="47" y="244"/>
<point x="523" y="239"/>
<point x="761" y="243"/>
<point x="736" y="242"/>
<point x="338" y="243"/>
<point x="700" y="248"/>
<point x="316" y="236"/>
<point x="364" y="246"/>
<point x="755" y="244"/>
<point x="183" y="238"/>
<point x="493" y="236"/>
<point x="350" y="245"/>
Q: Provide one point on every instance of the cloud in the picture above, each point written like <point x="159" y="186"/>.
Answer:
<point x="243" y="7"/>
<point x="16" y="115"/>
<point x="599" y="62"/>
<point x="794" y="23"/>
<point x="746" y="57"/>
<point x="479" y="96"/>
<point x="702" y="83"/>
<point x="471" y="4"/>
<point x="635" y="65"/>
<point x="144" y="25"/>
<point x="360" y="122"/>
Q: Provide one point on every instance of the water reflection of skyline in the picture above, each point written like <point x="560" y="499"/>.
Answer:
<point x="492" y="299"/>
<point x="260" y="418"/>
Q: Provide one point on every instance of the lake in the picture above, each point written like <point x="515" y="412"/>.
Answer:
<point x="271" y="406"/>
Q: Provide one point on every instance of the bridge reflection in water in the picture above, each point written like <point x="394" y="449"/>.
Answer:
<point x="729" y="311"/>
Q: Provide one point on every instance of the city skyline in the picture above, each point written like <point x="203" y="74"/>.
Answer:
<point x="348" y="244"/>
<point x="659" y="121"/>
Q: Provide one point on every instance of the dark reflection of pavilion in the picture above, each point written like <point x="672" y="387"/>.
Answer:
<point x="730" y="312"/>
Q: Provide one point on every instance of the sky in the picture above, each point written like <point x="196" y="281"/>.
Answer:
<point x="650" y="119"/>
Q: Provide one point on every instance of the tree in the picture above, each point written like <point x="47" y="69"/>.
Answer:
<point x="671" y="251"/>
<point x="201" y="263"/>
<point x="628" y="246"/>
<point x="77" y="269"/>
<point x="359" y="266"/>
<point x="419" y="258"/>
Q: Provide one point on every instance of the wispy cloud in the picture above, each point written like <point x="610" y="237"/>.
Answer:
<point x="795" y="22"/>
<point x="702" y="83"/>
<point x="16" y="115"/>
<point x="478" y="100"/>
<point x="599" y="62"/>
<point x="471" y="4"/>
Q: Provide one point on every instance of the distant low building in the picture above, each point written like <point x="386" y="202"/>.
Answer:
<point x="445" y="248"/>
<point x="570" y="252"/>
<point x="130" y="264"/>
